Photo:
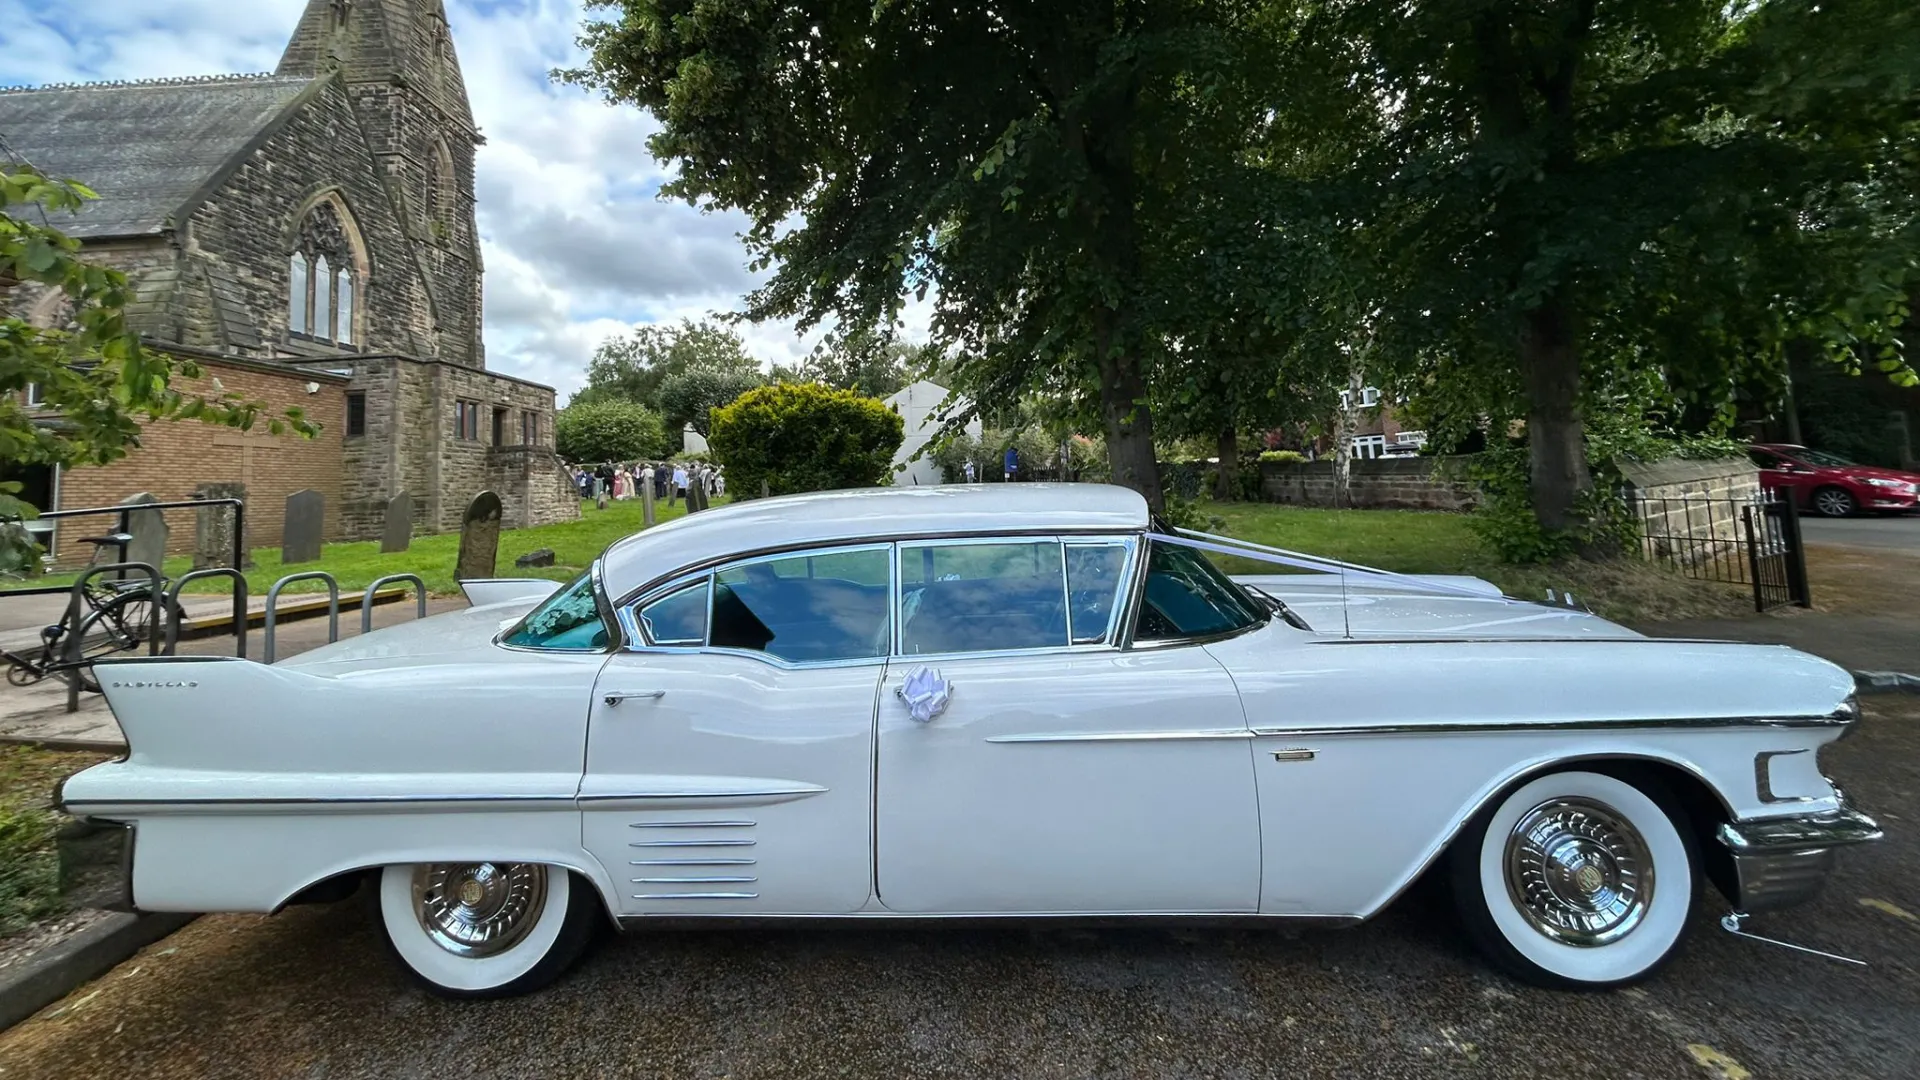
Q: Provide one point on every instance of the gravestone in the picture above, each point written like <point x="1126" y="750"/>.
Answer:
<point x="646" y="501"/>
<point x="149" y="530"/>
<point x="213" y="528"/>
<point x="398" y="535"/>
<point x="306" y="522"/>
<point x="479" y="538"/>
<point x="542" y="557"/>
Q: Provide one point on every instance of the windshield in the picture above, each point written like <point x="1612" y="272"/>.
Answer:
<point x="1186" y="596"/>
<point x="1821" y="457"/>
<point x="569" y="619"/>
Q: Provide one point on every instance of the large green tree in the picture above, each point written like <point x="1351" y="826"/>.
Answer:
<point x="609" y="429"/>
<point x="635" y="367"/>
<point x="867" y="361"/>
<point x="1027" y="159"/>
<point x="688" y="398"/>
<point x="1574" y="205"/>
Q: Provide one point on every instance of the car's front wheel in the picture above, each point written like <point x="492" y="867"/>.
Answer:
<point x="1576" y="880"/>
<point x="490" y="929"/>
<point x="1834" y="502"/>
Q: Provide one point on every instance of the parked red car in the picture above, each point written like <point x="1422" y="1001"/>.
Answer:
<point x="1829" y="484"/>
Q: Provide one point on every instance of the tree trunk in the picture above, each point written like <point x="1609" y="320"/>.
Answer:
<point x="1344" y="427"/>
<point x="1556" y="444"/>
<point x="1226" y="479"/>
<point x="1129" y="425"/>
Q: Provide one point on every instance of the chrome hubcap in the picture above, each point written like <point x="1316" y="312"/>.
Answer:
<point x="478" y="909"/>
<point x="1578" y="872"/>
<point x="1834" y="504"/>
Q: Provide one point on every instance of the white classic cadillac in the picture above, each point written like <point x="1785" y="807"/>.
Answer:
<point x="1018" y="700"/>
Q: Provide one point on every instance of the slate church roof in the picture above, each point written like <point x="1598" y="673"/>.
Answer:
<point x="147" y="148"/>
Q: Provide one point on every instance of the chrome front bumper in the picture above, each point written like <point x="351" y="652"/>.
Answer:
<point x="1780" y="862"/>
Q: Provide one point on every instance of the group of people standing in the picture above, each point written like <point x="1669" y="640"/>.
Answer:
<point x="670" y="481"/>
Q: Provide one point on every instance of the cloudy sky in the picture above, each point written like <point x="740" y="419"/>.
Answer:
<point x="577" y="245"/>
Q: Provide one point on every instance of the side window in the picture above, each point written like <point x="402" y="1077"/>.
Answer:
<point x="678" y="618"/>
<point x="1094" y="573"/>
<point x="982" y="597"/>
<point x="569" y="619"/>
<point x="806" y="608"/>
<point x="1763" y="460"/>
<point x="1187" y="597"/>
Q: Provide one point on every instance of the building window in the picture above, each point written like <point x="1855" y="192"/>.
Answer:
<point x="466" y="420"/>
<point x="321" y="291"/>
<point x="438" y="202"/>
<point x="34" y="397"/>
<point x="499" y="425"/>
<point x="530" y="429"/>
<point x="1369" y="446"/>
<point x="1369" y="397"/>
<point x="356" y="413"/>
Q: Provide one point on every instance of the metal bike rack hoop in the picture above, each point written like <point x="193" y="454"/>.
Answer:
<point x="366" y="601"/>
<point x="333" y="606"/>
<point x="75" y="642"/>
<point x="176" y="614"/>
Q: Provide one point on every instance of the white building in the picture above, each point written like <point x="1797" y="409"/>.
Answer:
<point x="919" y="407"/>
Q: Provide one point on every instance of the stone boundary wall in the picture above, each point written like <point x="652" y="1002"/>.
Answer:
<point x="1690" y="510"/>
<point x="1407" y="483"/>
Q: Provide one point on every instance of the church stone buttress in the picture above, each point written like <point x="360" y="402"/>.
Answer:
<point x="397" y="61"/>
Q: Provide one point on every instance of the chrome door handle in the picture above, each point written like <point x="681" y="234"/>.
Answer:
<point x="617" y="696"/>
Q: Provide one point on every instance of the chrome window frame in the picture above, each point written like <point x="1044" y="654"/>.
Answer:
<point x="1108" y="643"/>
<point x="1122" y="581"/>
<point x="636" y="640"/>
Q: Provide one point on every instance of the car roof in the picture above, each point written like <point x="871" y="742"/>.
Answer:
<point x="830" y="517"/>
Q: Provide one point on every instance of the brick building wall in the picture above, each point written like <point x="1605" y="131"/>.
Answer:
<point x="413" y="442"/>
<point x="249" y="227"/>
<point x="175" y="457"/>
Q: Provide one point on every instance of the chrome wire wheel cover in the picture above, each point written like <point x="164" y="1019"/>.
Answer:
<point x="1578" y="872"/>
<point x="478" y="909"/>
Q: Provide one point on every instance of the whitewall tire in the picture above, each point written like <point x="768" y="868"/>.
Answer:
<point x="1577" y="880"/>
<point x="486" y="929"/>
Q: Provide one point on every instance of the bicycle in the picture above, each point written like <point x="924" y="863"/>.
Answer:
<point x="116" y="616"/>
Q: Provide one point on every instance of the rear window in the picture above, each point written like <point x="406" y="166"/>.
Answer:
<point x="569" y="619"/>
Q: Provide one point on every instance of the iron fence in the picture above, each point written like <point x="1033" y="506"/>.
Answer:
<point x="1739" y="541"/>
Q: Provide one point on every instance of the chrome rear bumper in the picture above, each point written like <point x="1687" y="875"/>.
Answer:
<point x="1780" y="862"/>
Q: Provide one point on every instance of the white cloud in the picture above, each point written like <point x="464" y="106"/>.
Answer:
<point x="576" y="244"/>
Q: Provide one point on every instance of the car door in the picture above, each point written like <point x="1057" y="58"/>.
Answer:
<point x="730" y="749"/>
<point x="1780" y="475"/>
<point x="1028" y="764"/>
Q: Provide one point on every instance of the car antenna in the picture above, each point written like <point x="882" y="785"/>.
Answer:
<point x="1346" y="617"/>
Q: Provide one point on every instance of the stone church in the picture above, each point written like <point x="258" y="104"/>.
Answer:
<point x="308" y="238"/>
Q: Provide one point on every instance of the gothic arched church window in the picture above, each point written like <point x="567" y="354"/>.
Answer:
<point x="321" y="290"/>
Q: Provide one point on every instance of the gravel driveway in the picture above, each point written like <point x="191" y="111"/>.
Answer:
<point x="310" y="993"/>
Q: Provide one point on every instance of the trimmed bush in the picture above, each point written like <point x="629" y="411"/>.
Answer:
<point x="796" y="437"/>
<point x="1282" y="457"/>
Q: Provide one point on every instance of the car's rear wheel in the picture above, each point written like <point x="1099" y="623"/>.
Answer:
<point x="490" y="929"/>
<point x="1576" y="880"/>
<point x="1834" y="502"/>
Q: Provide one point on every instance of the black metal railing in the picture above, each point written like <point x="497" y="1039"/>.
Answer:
<point x="1739" y="541"/>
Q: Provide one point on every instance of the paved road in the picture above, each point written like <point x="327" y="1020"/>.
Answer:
<point x="1901" y="533"/>
<point x="310" y="994"/>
